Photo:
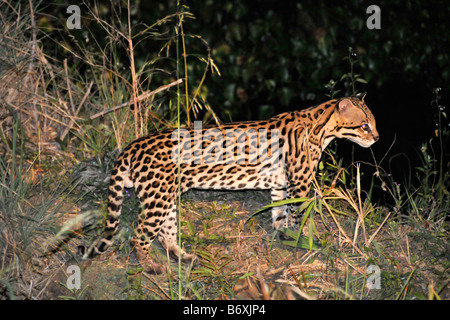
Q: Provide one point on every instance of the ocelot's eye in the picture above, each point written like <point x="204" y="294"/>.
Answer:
<point x="365" y="127"/>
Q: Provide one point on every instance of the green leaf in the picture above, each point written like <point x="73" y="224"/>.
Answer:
<point x="361" y="80"/>
<point x="302" y="242"/>
<point x="229" y="92"/>
<point x="321" y="166"/>
<point x="298" y="241"/>
<point x="191" y="228"/>
<point x="278" y="204"/>
<point x="134" y="271"/>
<point x="285" y="95"/>
<point x="248" y="274"/>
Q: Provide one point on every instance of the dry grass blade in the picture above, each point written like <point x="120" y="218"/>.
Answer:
<point x="339" y="195"/>
<point x="372" y="237"/>
<point x="77" y="111"/>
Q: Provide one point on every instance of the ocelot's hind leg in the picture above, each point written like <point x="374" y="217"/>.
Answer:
<point x="163" y="225"/>
<point x="168" y="237"/>
<point x="150" y="220"/>
<point x="142" y="248"/>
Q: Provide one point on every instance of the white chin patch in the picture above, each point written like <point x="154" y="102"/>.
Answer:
<point x="363" y="143"/>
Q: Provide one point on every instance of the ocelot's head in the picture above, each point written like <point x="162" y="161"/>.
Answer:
<point x="355" y="122"/>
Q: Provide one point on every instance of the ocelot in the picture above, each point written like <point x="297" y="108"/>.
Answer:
<point x="280" y="154"/>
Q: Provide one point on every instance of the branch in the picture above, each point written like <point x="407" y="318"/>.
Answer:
<point x="139" y="98"/>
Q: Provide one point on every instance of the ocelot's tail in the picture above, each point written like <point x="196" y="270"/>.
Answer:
<point x="119" y="179"/>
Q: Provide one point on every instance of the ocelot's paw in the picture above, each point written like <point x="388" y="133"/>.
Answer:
<point x="284" y="233"/>
<point x="177" y="252"/>
<point x="188" y="257"/>
<point x="153" y="268"/>
<point x="146" y="261"/>
<point x="280" y="236"/>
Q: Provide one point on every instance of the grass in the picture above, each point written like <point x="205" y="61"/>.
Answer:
<point x="29" y="216"/>
<point x="239" y="259"/>
<point x="57" y="151"/>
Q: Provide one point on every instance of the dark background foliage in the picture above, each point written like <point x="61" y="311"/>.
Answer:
<point x="276" y="56"/>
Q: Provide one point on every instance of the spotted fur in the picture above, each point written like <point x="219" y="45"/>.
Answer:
<point x="280" y="154"/>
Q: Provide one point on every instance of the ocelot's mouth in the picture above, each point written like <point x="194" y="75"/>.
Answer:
<point x="364" y="142"/>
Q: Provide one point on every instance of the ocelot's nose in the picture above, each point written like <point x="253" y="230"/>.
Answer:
<point x="375" y="138"/>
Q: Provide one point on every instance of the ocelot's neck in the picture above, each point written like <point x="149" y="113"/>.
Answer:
<point x="315" y="134"/>
<point x="307" y="135"/>
<point x="316" y="123"/>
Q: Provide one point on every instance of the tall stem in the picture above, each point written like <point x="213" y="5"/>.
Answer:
<point x="133" y="74"/>
<point x="179" y="149"/>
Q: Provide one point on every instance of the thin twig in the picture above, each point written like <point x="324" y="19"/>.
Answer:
<point x="185" y="72"/>
<point x="69" y="90"/>
<point x="133" y="74"/>
<point x="139" y="98"/>
<point x="72" y="121"/>
<point x="378" y="230"/>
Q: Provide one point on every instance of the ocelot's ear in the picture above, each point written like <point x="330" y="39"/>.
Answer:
<point x="361" y="95"/>
<point x="344" y="105"/>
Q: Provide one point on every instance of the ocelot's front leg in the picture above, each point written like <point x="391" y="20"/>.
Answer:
<point x="280" y="213"/>
<point x="286" y="216"/>
<point x="296" y="191"/>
